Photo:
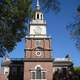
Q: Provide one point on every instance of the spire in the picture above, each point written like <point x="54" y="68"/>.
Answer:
<point x="37" y="5"/>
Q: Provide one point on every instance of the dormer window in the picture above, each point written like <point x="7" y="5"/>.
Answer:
<point x="37" y="16"/>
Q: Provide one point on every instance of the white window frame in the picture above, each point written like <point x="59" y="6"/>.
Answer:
<point x="35" y="73"/>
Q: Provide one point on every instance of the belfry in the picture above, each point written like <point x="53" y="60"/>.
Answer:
<point x="37" y="64"/>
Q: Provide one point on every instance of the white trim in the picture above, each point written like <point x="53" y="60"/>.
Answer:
<point x="41" y="72"/>
<point x="38" y="36"/>
<point x="38" y="66"/>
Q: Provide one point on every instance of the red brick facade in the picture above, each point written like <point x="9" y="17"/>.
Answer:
<point x="32" y="60"/>
<point x="2" y="77"/>
<point x="47" y="66"/>
<point x="31" y="46"/>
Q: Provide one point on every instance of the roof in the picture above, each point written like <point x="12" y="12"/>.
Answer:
<point x="62" y="60"/>
<point x="58" y="62"/>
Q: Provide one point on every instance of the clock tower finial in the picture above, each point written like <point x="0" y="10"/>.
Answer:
<point x="37" y="5"/>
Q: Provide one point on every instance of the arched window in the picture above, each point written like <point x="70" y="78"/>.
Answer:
<point x="37" y="16"/>
<point x="41" y="16"/>
<point x="38" y="73"/>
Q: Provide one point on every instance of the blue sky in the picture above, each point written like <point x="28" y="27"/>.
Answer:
<point x="62" y="43"/>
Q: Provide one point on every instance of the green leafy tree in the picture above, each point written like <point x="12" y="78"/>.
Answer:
<point x="76" y="73"/>
<point x="13" y="15"/>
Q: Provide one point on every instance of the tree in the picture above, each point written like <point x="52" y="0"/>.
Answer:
<point x="64" y="73"/>
<point x="74" y="29"/>
<point x="67" y="74"/>
<point x="13" y="14"/>
<point x="76" y="73"/>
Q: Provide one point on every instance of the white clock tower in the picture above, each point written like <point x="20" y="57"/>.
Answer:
<point x="38" y="24"/>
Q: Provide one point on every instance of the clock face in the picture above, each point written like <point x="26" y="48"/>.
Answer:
<point x="38" y="53"/>
<point x="37" y="30"/>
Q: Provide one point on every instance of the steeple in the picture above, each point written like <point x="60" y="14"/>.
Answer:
<point x="37" y="5"/>
<point x="38" y="24"/>
<point x="38" y="15"/>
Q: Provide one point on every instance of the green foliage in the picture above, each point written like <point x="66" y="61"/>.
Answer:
<point x="77" y="69"/>
<point x="12" y="16"/>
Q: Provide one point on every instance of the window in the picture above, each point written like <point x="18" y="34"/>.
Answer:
<point x="38" y="43"/>
<point x="33" y="75"/>
<point x="14" y="70"/>
<point x="38" y="74"/>
<point x="37" y="16"/>
<point x="43" y="73"/>
<point x="41" y="16"/>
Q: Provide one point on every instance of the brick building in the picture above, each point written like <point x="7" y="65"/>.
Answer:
<point x="37" y="63"/>
<point x="2" y="76"/>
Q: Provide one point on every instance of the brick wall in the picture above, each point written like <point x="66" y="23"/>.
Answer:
<point x="2" y="77"/>
<point x="47" y="66"/>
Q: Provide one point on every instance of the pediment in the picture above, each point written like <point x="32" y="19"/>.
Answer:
<point x="38" y="48"/>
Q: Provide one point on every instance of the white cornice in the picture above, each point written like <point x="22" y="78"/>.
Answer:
<point x="35" y="36"/>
